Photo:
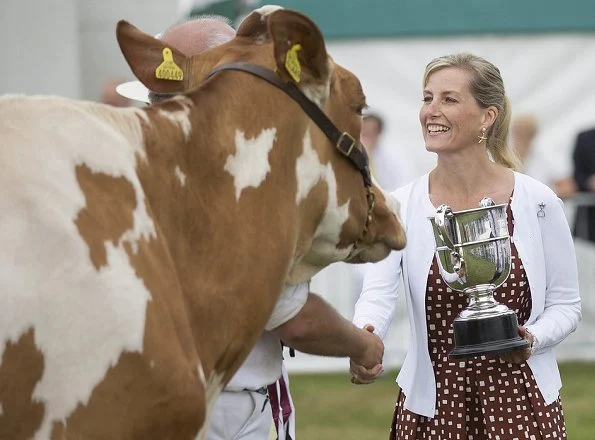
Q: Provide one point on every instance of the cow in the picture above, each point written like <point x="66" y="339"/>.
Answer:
<point x="142" y="250"/>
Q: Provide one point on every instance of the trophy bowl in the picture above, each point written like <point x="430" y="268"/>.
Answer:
<point x="473" y="253"/>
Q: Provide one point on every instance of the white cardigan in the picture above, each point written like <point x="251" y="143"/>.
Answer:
<point x="546" y="249"/>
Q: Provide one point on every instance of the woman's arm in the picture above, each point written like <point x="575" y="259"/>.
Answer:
<point x="376" y="304"/>
<point x="562" y="310"/>
<point x="375" y="308"/>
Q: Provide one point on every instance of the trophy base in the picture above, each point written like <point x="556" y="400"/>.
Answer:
<point x="476" y="337"/>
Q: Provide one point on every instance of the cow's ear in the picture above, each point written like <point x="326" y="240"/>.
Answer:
<point x="300" y="53"/>
<point x="160" y="67"/>
<point x="253" y="26"/>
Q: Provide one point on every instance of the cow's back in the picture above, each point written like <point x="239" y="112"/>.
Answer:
<point x="87" y="288"/>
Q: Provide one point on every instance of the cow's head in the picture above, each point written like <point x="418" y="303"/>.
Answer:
<point x="338" y="218"/>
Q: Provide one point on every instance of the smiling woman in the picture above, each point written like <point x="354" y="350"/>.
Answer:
<point x="465" y="118"/>
<point x="464" y="104"/>
<point x="450" y="114"/>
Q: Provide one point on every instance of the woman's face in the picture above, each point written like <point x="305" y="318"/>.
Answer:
<point x="451" y="119"/>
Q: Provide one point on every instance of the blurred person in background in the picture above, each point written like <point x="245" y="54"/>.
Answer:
<point x="565" y="187"/>
<point x="110" y="96"/>
<point x="584" y="174"/>
<point x="524" y="129"/>
<point x="256" y="404"/>
<point x="390" y="169"/>
<point x="465" y="121"/>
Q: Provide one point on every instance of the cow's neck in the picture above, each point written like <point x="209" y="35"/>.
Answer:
<point x="228" y="219"/>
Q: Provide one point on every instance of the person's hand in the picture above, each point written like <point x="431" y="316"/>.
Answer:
<point x="520" y="355"/>
<point x="368" y="367"/>
<point x="565" y="187"/>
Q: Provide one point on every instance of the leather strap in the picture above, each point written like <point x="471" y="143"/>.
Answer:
<point x="343" y="141"/>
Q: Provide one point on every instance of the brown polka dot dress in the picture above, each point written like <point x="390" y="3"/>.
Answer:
<point x="482" y="397"/>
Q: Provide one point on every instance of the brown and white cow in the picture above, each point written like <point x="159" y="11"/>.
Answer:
<point x="142" y="250"/>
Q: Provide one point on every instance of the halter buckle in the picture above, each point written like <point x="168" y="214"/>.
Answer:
<point x="346" y="151"/>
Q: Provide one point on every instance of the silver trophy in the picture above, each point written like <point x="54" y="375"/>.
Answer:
<point x="473" y="252"/>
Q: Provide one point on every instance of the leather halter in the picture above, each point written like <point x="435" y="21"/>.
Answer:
<point x="343" y="141"/>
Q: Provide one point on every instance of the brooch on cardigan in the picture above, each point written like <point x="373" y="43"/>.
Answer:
<point x="541" y="212"/>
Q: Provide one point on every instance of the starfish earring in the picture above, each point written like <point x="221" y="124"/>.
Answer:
<point x="483" y="136"/>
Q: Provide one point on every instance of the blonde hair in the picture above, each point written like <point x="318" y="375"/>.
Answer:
<point x="487" y="87"/>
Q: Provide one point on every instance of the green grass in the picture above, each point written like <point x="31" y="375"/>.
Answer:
<point x="578" y="399"/>
<point x="329" y="407"/>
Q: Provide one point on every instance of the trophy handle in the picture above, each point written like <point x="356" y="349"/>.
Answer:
<point x="485" y="202"/>
<point x="459" y="266"/>
<point x="443" y="222"/>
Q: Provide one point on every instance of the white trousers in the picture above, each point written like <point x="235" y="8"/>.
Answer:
<point x="244" y="415"/>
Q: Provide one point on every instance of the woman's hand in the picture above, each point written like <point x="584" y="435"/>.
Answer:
<point x="362" y="374"/>
<point x="520" y="355"/>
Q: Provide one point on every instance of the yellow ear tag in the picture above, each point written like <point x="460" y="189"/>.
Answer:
<point x="292" y="63"/>
<point x="168" y="69"/>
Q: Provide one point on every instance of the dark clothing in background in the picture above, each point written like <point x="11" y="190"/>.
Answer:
<point x="584" y="167"/>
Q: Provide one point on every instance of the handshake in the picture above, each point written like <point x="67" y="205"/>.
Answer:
<point x="366" y="367"/>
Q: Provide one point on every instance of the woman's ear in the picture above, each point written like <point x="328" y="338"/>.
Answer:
<point x="491" y="114"/>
